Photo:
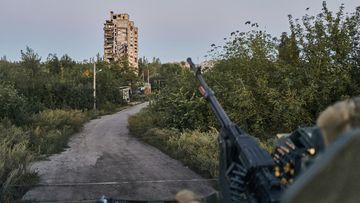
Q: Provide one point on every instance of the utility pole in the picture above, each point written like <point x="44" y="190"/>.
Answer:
<point x="148" y="79"/>
<point x="94" y="83"/>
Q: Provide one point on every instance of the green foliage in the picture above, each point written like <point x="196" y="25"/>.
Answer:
<point x="149" y="69"/>
<point x="51" y="129"/>
<point x="328" y="46"/>
<point x="142" y="122"/>
<point x="53" y="64"/>
<point x="14" y="142"/>
<point x="33" y="96"/>
<point x="179" y="104"/>
<point x="266" y="85"/>
<point x="15" y="157"/>
<point x="48" y="132"/>
<point x="54" y="119"/>
<point x="198" y="150"/>
<point x="288" y="49"/>
<point x="64" y="83"/>
<point x="13" y="105"/>
<point x="30" y="61"/>
<point x="33" y="99"/>
<point x="159" y="138"/>
<point x="109" y="81"/>
<point x="67" y="62"/>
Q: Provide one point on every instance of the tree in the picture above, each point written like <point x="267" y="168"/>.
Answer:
<point x="67" y="62"/>
<point x="30" y="61"/>
<point x="142" y="64"/>
<point x="12" y="104"/>
<point x="327" y="43"/>
<point x="288" y="49"/>
<point x="269" y="86"/>
<point x="53" y="64"/>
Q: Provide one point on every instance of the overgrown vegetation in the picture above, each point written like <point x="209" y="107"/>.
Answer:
<point x="51" y="129"/>
<point x="194" y="148"/>
<point x="266" y="84"/>
<point x="48" y="132"/>
<point x="43" y="103"/>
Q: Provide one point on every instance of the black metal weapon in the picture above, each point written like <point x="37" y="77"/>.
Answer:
<point x="295" y="152"/>
<point x="246" y="170"/>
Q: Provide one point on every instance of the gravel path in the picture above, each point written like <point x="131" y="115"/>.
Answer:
<point x="104" y="159"/>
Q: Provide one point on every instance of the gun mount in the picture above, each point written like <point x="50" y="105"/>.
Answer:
<point x="246" y="170"/>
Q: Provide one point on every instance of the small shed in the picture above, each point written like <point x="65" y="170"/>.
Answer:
<point x="125" y="93"/>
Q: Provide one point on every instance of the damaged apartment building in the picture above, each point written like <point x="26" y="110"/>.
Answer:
<point x="121" y="39"/>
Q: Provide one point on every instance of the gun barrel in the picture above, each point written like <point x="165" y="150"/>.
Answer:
<point x="206" y="91"/>
<point x="245" y="168"/>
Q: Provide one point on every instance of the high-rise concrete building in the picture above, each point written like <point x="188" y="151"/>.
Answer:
<point x="121" y="39"/>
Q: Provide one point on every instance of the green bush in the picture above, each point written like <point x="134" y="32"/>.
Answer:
<point x="51" y="129"/>
<point x="57" y="119"/>
<point x="12" y="104"/>
<point x="139" y="97"/>
<point x="47" y="133"/>
<point x="269" y="85"/>
<point x="160" y="138"/>
<point x="141" y="122"/>
<point x="31" y="94"/>
<point x="197" y="149"/>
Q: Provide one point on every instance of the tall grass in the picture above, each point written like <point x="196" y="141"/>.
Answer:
<point x="197" y="149"/>
<point x="51" y="129"/>
<point x="15" y="157"/>
<point x="47" y="133"/>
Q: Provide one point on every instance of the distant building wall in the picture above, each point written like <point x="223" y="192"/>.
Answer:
<point x="121" y="39"/>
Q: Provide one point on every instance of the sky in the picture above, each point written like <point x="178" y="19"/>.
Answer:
<point x="171" y="30"/>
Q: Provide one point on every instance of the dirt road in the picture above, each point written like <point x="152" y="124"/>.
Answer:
<point x="104" y="159"/>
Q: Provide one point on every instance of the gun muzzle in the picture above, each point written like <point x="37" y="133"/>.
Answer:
<point x="192" y="65"/>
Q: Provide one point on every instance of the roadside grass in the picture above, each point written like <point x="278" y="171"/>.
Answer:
<point x="109" y="109"/>
<point x="51" y="129"/>
<point x="15" y="156"/>
<point x="196" y="149"/>
<point x="199" y="150"/>
<point x="48" y="133"/>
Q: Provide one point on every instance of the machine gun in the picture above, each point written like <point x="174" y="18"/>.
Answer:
<point x="246" y="170"/>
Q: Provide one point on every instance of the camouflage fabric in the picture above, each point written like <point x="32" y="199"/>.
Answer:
<point x="339" y="118"/>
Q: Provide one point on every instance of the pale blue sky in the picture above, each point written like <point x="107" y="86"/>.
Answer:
<point x="169" y="29"/>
